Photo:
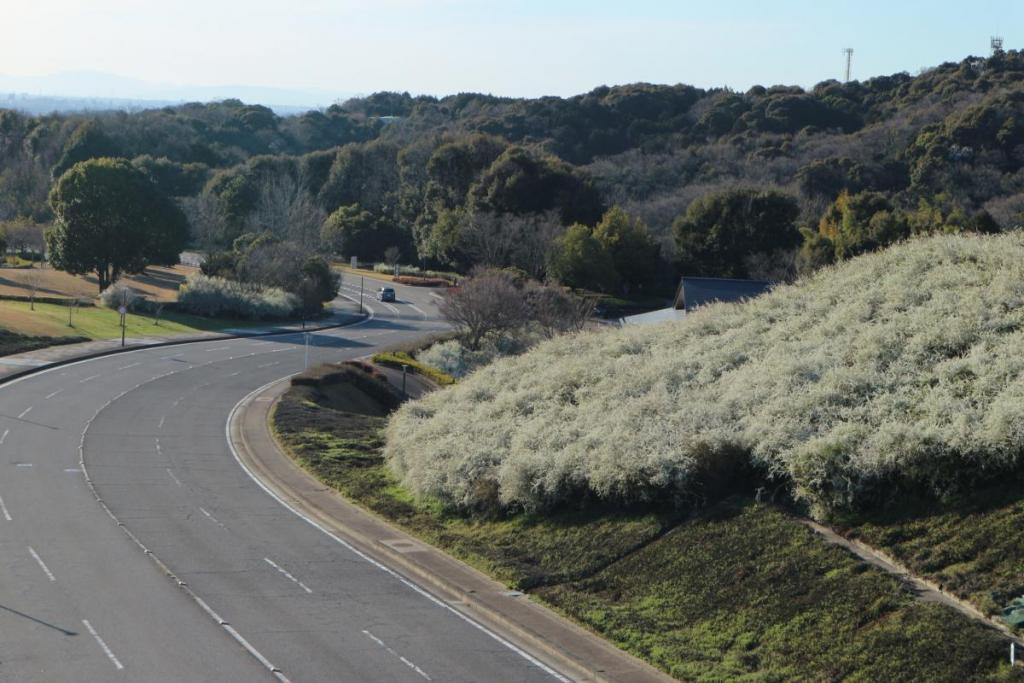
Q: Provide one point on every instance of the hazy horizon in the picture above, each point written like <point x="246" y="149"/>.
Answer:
<point x="324" y="50"/>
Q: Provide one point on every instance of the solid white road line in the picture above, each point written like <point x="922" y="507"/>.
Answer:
<point x="289" y="576"/>
<point x="90" y="377"/>
<point x="132" y="365"/>
<point x="176" y="480"/>
<point x="3" y="509"/>
<point x="42" y="565"/>
<point x="4" y="437"/>
<point x="107" y="650"/>
<point x="219" y="348"/>
<point x="25" y="412"/>
<point x="161" y="424"/>
<point x="405" y="661"/>
<point x="358" y="553"/>
<point x="418" y="310"/>
<point x="24" y="464"/>
<point x="52" y="394"/>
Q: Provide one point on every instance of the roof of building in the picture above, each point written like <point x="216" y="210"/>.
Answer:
<point x="659" y="316"/>
<point x="694" y="292"/>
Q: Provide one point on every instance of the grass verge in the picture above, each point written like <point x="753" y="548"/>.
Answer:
<point x="743" y="592"/>
<point x="95" y="322"/>
<point x="12" y="342"/>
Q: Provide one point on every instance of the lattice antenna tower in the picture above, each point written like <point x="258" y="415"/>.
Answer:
<point x="848" y="51"/>
<point x="996" y="44"/>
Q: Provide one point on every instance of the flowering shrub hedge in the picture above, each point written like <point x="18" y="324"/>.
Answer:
<point x="897" y="371"/>
<point x="219" y="297"/>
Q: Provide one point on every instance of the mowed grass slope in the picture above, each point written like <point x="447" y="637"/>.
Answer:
<point x="740" y="592"/>
<point x="97" y="322"/>
<point x="896" y="373"/>
<point x="157" y="282"/>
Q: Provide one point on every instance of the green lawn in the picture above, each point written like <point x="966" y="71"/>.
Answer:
<point x="743" y="592"/>
<point x="95" y="322"/>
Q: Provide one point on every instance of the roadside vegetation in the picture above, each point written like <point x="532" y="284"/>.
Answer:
<point x="12" y="342"/>
<point x="740" y="591"/>
<point x="895" y="374"/>
<point x="97" y="322"/>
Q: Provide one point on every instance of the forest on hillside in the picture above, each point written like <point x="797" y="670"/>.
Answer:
<point x="619" y="188"/>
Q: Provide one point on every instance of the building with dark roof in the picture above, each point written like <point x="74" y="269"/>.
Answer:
<point x="694" y="292"/>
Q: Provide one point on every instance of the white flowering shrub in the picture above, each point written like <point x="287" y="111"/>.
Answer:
<point x="453" y="358"/>
<point x="219" y="297"/>
<point x="901" y="370"/>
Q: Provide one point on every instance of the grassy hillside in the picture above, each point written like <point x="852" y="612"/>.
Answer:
<point x="740" y="592"/>
<point x="897" y="373"/>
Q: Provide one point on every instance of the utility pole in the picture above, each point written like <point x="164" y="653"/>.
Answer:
<point x="848" y="51"/>
<point x="307" y="350"/>
<point x="360" y="293"/>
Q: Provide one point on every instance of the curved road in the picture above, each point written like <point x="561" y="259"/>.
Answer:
<point x="267" y="596"/>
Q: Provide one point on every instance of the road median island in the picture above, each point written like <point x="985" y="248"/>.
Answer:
<point x="739" y="589"/>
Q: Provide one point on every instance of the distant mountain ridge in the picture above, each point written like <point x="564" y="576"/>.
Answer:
<point x="93" y="90"/>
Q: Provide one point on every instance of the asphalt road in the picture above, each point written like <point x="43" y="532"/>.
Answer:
<point x="268" y="597"/>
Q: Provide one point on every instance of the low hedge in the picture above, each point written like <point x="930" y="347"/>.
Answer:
<point x="398" y="359"/>
<point x="417" y="281"/>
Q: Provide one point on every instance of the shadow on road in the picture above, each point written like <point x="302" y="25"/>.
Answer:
<point x="38" y="621"/>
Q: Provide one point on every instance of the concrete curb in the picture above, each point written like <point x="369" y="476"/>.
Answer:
<point x="544" y="634"/>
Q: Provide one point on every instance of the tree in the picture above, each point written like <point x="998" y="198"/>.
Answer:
<point x="286" y="208"/>
<point x="487" y="302"/>
<point x="353" y="231"/>
<point x="87" y="142"/>
<point x="718" y="231"/>
<point x="520" y="181"/>
<point x="111" y="219"/>
<point x="317" y="284"/>
<point x="391" y="255"/>
<point x="556" y="310"/>
<point x="634" y="252"/>
<point x="578" y="259"/>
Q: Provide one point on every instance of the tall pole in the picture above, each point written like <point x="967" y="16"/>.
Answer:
<point x="848" y="51"/>
<point x="360" y="293"/>
<point x="307" y="350"/>
<point x="124" y="313"/>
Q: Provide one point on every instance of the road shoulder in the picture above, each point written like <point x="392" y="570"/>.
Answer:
<point x="577" y="653"/>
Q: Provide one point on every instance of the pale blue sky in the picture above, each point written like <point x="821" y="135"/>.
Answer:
<point x="530" y="47"/>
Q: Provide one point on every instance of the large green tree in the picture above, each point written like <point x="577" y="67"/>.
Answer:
<point x="719" y="232"/>
<point x="111" y="219"/>
<point x="578" y="259"/>
<point x="634" y="252"/>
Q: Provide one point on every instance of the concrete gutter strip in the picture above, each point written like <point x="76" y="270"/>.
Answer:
<point x="549" y="637"/>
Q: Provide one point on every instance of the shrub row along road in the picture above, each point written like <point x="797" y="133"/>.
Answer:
<point x="266" y="595"/>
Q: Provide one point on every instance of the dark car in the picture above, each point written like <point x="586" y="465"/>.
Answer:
<point x="385" y="294"/>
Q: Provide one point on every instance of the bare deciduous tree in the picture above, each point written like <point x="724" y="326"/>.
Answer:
<point x="487" y="302"/>
<point x="206" y="219"/>
<point x="391" y="255"/>
<point x="506" y="239"/>
<point x="287" y="209"/>
<point x="557" y="310"/>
